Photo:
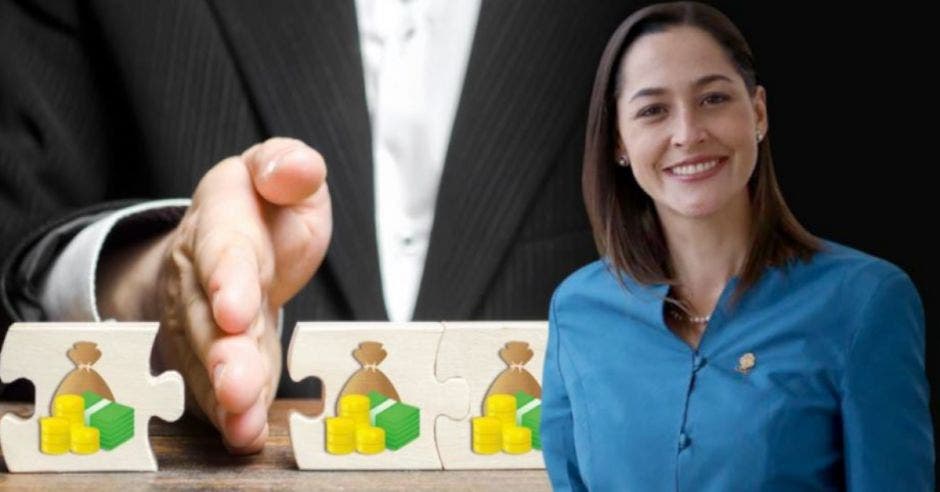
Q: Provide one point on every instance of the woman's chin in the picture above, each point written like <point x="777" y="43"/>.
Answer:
<point x="702" y="209"/>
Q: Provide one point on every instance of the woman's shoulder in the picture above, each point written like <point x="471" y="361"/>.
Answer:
<point x="857" y="269"/>
<point x="593" y="272"/>
<point x="857" y="275"/>
<point x="588" y="277"/>
<point x="596" y="284"/>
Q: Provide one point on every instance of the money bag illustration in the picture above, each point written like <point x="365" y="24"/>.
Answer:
<point x="369" y="377"/>
<point x="515" y="377"/>
<point x="83" y="378"/>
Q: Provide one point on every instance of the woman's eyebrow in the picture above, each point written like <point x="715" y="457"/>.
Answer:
<point x="708" y="79"/>
<point x="656" y="91"/>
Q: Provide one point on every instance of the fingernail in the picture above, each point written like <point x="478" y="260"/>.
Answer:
<point x="269" y="169"/>
<point x="217" y="374"/>
<point x="273" y="162"/>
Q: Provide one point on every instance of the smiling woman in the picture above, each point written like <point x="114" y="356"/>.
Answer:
<point x="717" y="345"/>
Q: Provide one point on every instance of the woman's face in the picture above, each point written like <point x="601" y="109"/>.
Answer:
<point x="688" y="126"/>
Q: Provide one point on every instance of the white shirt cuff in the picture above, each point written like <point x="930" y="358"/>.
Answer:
<point x="68" y="293"/>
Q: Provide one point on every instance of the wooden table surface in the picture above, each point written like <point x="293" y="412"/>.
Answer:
<point x="191" y="456"/>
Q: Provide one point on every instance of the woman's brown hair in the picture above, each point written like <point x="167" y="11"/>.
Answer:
<point x="626" y="227"/>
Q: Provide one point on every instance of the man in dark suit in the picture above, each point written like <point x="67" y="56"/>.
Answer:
<point x="105" y="102"/>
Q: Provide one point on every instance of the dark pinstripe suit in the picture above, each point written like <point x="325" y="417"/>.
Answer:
<point x="105" y="101"/>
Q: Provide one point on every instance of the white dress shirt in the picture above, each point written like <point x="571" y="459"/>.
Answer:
<point x="414" y="55"/>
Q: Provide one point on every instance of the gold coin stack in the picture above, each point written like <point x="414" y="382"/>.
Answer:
<point x="54" y="435"/>
<point x="487" y="435"/>
<point x="370" y="440"/>
<point x="85" y="440"/>
<point x="355" y="407"/>
<point x="340" y="435"/>
<point x="502" y="407"/>
<point x="70" y="407"/>
<point x="517" y="440"/>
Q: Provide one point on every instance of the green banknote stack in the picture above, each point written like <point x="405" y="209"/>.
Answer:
<point x="114" y="421"/>
<point x="528" y="414"/>
<point x="400" y="421"/>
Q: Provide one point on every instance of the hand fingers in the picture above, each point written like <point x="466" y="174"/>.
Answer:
<point x="231" y="279"/>
<point x="254" y="447"/>
<point x="178" y="353"/>
<point x="285" y="171"/>
<point x="244" y="428"/>
<point x="289" y="173"/>
<point x="233" y="364"/>
<point x="230" y="246"/>
<point x="242" y="433"/>
<point x="241" y="239"/>
<point x="238" y="372"/>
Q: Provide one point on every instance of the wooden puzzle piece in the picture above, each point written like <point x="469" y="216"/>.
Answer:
<point x="477" y="352"/>
<point x="378" y="358"/>
<point x="92" y="358"/>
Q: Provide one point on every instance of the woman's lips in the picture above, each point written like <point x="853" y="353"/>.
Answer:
<point x="696" y="172"/>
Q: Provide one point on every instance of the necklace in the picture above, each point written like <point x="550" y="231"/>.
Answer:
<point x="680" y="314"/>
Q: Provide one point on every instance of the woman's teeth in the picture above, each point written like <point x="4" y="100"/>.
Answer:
<point x="694" y="168"/>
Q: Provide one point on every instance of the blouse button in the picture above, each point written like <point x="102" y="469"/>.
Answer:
<point x="684" y="440"/>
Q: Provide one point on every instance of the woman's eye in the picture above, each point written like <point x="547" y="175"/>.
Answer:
<point x="715" y="98"/>
<point x="650" y="111"/>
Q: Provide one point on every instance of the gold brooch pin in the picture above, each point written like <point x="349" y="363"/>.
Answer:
<point x="746" y="363"/>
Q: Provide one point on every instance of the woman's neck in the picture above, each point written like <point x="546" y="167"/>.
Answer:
<point x="707" y="251"/>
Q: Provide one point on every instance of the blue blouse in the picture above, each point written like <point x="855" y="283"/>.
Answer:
<point x="814" y="381"/>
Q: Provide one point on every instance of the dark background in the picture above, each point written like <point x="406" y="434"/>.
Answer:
<point x="852" y="127"/>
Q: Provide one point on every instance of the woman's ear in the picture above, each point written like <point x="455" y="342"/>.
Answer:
<point x="759" y="101"/>
<point x="620" y="152"/>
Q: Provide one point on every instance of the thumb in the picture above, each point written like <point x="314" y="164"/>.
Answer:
<point x="285" y="171"/>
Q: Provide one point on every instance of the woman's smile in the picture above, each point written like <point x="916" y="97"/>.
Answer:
<point x="699" y="171"/>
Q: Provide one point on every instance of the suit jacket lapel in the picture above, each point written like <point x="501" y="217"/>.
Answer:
<point x="517" y="110"/>
<point x="302" y="65"/>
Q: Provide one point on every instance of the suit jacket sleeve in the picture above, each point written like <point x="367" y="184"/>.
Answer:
<point x="57" y="144"/>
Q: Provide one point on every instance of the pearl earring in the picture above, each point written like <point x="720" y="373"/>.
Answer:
<point x="622" y="161"/>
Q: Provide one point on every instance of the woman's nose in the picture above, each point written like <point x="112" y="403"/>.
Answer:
<point x="688" y="129"/>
